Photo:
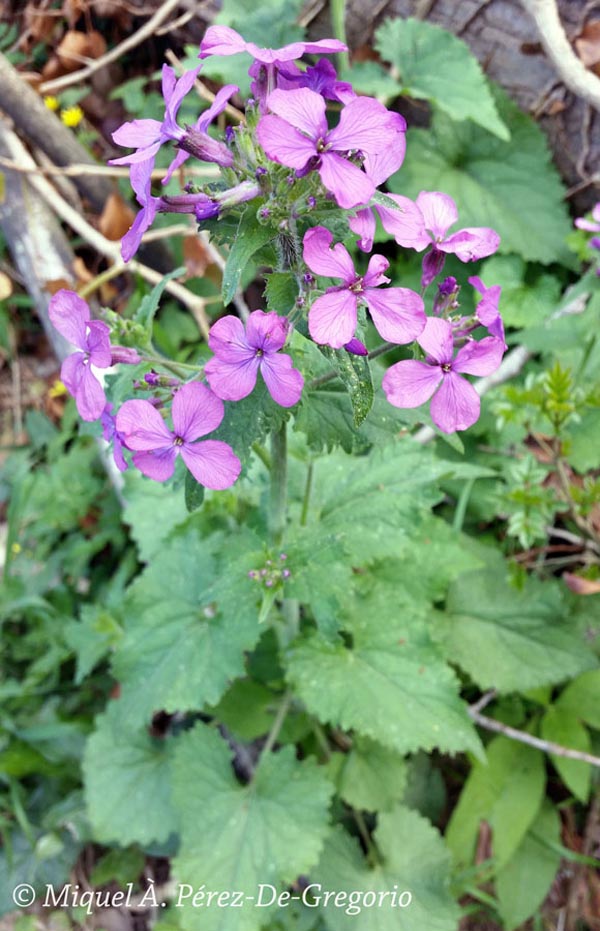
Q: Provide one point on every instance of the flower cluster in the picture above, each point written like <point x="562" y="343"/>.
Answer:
<point x="294" y="168"/>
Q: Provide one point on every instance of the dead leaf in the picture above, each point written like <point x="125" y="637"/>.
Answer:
<point x="116" y="218"/>
<point x="196" y="256"/>
<point x="55" y="284"/>
<point x="74" y="50"/>
<point x="580" y="585"/>
<point x="81" y="271"/>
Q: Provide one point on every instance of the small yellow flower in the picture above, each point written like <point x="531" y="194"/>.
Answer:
<point x="16" y="549"/>
<point x="51" y="102"/>
<point x="57" y="390"/>
<point x="72" y="116"/>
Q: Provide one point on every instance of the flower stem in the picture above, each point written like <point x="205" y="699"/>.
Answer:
<point x="307" y="491"/>
<point x="278" y="497"/>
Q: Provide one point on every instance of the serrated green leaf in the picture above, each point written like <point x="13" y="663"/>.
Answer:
<point x="269" y="831"/>
<point x="355" y="374"/>
<point x="152" y="511"/>
<point x="371" y="777"/>
<point x="506" y="791"/>
<point x="509" y="186"/>
<point x="194" y="493"/>
<point x="523" y="303"/>
<point x="508" y="639"/>
<point x="522" y="885"/>
<point x="433" y="64"/>
<point x="128" y="783"/>
<point x="251" y="236"/>
<point x="563" y="727"/>
<point x="415" y="861"/>
<point x="249" y="421"/>
<point x="190" y="616"/>
<point x="281" y="292"/>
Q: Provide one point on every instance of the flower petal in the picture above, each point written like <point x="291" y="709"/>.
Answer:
<point x="456" y="404"/>
<point x="410" y="383"/>
<point x="374" y="277"/>
<point x="364" y="225"/>
<point x="472" y="243"/>
<point x="439" y="212"/>
<point x="479" y="358"/>
<point x="71" y="372"/>
<point x="89" y="396"/>
<point x="69" y="314"/>
<point x="302" y="108"/>
<point x="158" y="464"/>
<point x="212" y="463"/>
<point x="266" y="331"/>
<point x="138" y="134"/>
<point x="349" y="185"/>
<point x="221" y="40"/>
<point x="332" y="318"/>
<point x="365" y="125"/>
<point x="196" y="411"/>
<point x="322" y="259"/>
<point x="228" y="341"/>
<point x="284" y="144"/>
<point x="285" y="383"/>
<point x="232" y="381"/>
<point x="217" y="106"/>
<point x="384" y="163"/>
<point x="406" y="224"/>
<point x="436" y="339"/>
<point x="98" y="344"/>
<point x="398" y="313"/>
<point x="142" y="427"/>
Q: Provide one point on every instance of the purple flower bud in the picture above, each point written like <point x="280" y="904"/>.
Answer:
<point x="229" y="134"/>
<point x="446" y="298"/>
<point x="290" y="179"/>
<point x="205" y="148"/>
<point x="260" y="171"/>
<point x="307" y="278"/>
<point x="356" y="348"/>
<point x="447" y="286"/>
<point x="264" y="212"/>
<point x="283" y="556"/>
<point x="124" y="355"/>
<point x="312" y="201"/>
<point x="152" y="378"/>
<point x="285" y="574"/>
<point x="269" y="583"/>
<point x="253" y="574"/>
<point x="206" y="211"/>
<point x="432" y="265"/>
<point x="263" y="573"/>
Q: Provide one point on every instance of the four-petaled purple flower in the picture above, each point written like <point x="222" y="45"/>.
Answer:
<point x="487" y="309"/>
<point x="397" y="313"/>
<point x="222" y="40"/>
<point x="240" y="355"/>
<point x="147" y="136"/>
<point x="321" y="78"/>
<point x="196" y="412"/>
<point x="439" y="214"/>
<point x="455" y="404"/>
<point x="296" y="134"/>
<point x="70" y="315"/>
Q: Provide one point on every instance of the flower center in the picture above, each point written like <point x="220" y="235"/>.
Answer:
<point x="357" y="286"/>
<point x="178" y="441"/>
<point x="322" y="145"/>
<point x="447" y="367"/>
<point x="260" y="352"/>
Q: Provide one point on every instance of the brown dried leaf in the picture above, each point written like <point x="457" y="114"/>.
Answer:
<point x="73" y="51"/>
<point x="55" y="284"/>
<point x="587" y="45"/>
<point x="580" y="585"/>
<point x="116" y="218"/>
<point x="81" y="271"/>
<point x="196" y="256"/>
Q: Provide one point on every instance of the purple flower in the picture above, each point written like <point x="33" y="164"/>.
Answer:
<point x="112" y="435"/>
<point x="240" y="354"/>
<point x="141" y="181"/>
<point x="70" y="315"/>
<point x="455" y="404"/>
<point x="590" y="226"/>
<point x="439" y="214"/>
<point x="397" y="313"/>
<point x="196" y="412"/>
<point x="487" y="310"/>
<point x="296" y="134"/>
<point x="147" y="136"/>
<point x="320" y="78"/>
<point x="222" y="40"/>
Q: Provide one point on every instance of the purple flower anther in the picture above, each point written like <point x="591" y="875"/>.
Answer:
<point x="240" y="353"/>
<point x="398" y="313"/>
<point x="70" y="315"/>
<point x="455" y="404"/>
<point x="296" y="134"/>
<point x="196" y="412"/>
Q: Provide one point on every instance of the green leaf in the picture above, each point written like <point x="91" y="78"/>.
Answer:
<point x="355" y="374"/>
<point x="582" y="698"/>
<point x="414" y="860"/>
<point x="433" y="64"/>
<point x="509" y="186"/>
<point x="190" y="616"/>
<point x="522" y="885"/>
<point x="281" y="292"/>
<point x="152" y="511"/>
<point x="269" y="831"/>
<point x="194" y="493"/>
<point x="148" y="307"/>
<point x="92" y="637"/>
<point x="386" y="681"/>
<point x="249" y="421"/>
<point x="251" y="236"/>
<point x="583" y="441"/>
<point x="370" y="777"/>
<point x="128" y="783"/>
<point x="564" y="727"/>
<point x="512" y="640"/>
<point x="247" y="709"/>
<point x="506" y="791"/>
<point x="523" y="303"/>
